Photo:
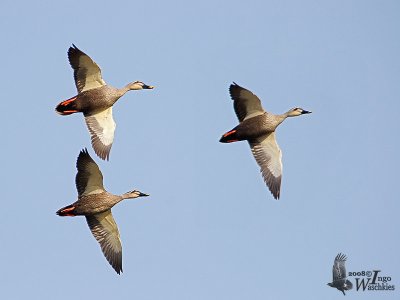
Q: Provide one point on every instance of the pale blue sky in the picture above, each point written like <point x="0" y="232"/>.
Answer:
<point x="211" y="229"/>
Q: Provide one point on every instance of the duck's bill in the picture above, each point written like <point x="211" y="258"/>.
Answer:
<point x="148" y="87"/>
<point x="306" y="112"/>
<point x="143" y="194"/>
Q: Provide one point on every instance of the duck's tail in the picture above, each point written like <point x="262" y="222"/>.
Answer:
<point x="67" y="211"/>
<point x="67" y="107"/>
<point x="229" y="137"/>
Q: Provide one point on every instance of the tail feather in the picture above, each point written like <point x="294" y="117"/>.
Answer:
<point x="229" y="137"/>
<point x="67" y="107"/>
<point x="67" y="211"/>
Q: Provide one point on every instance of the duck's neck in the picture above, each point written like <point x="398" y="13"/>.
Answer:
<point x="124" y="90"/>
<point x="288" y="114"/>
<point x="128" y="195"/>
<point x="281" y="117"/>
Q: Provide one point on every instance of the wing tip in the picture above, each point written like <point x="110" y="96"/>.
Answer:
<point x="117" y="268"/>
<point x="273" y="183"/>
<point x="72" y="49"/>
<point x="233" y="86"/>
<point x="274" y="189"/>
<point x="341" y="257"/>
<point x="235" y="89"/>
<point x="82" y="154"/>
<point x="102" y="151"/>
<point x="115" y="260"/>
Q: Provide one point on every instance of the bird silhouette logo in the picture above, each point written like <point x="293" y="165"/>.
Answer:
<point x="339" y="280"/>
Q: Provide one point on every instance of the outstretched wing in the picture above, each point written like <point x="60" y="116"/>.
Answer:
<point x="101" y="126"/>
<point x="89" y="179"/>
<point x="339" y="268"/>
<point x="87" y="73"/>
<point x="245" y="103"/>
<point x="105" y="230"/>
<point x="269" y="157"/>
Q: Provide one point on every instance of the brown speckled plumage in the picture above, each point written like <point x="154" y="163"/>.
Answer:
<point x="95" y="100"/>
<point x="95" y="203"/>
<point x="258" y="127"/>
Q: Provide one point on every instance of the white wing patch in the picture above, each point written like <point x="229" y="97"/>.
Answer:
<point x="101" y="127"/>
<point x="105" y="230"/>
<point x="269" y="157"/>
<point x="254" y="114"/>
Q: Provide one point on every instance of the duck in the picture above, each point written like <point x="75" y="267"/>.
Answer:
<point x="95" y="203"/>
<point x="95" y="100"/>
<point x="258" y="126"/>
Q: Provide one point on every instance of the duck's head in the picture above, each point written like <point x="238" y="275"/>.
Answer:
<point x="138" y="85"/>
<point x="297" y="111"/>
<point x="134" y="194"/>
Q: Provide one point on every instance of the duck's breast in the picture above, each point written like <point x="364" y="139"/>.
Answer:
<point x="96" y="203"/>
<point x="255" y="127"/>
<point x="97" y="99"/>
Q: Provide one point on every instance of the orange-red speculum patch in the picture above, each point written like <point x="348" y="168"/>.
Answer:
<point x="68" y="209"/>
<point x="229" y="133"/>
<point x="66" y="102"/>
<point x="69" y="112"/>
